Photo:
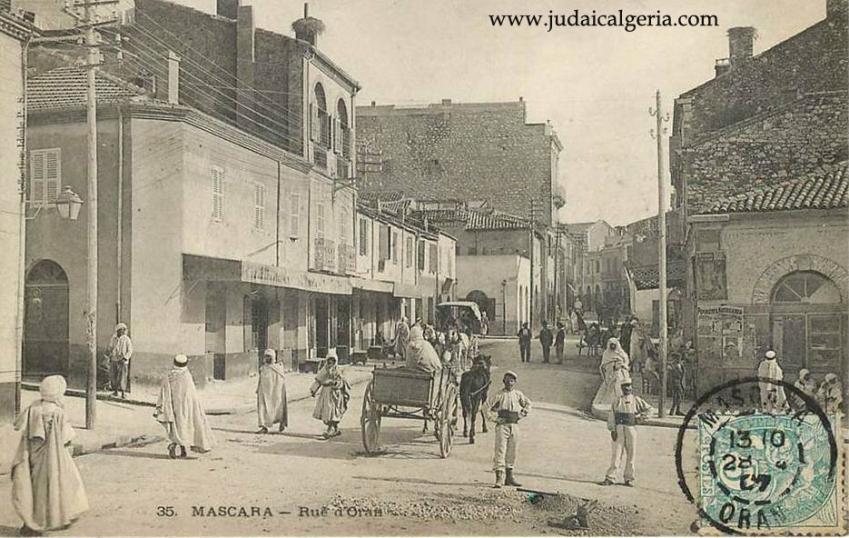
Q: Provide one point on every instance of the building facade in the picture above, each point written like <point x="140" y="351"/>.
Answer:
<point x="758" y="165"/>
<point x="462" y="151"/>
<point x="499" y="284"/>
<point x="14" y="34"/>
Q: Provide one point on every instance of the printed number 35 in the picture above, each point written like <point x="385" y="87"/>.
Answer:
<point x="165" y="511"/>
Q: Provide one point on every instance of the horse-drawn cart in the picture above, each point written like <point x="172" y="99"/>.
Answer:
<point x="408" y="393"/>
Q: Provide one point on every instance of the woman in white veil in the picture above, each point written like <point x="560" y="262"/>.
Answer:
<point x="615" y="369"/>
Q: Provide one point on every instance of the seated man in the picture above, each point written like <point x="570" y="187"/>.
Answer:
<point x="420" y="354"/>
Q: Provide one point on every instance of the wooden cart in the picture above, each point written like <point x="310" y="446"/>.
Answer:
<point x="412" y="394"/>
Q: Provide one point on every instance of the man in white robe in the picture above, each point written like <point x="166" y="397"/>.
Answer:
<point x="772" y="394"/>
<point x="120" y="352"/>
<point x="180" y="412"/>
<point x="47" y="490"/>
<point x="271" y="405"/>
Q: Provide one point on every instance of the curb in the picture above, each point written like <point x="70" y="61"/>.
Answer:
<point x="600" y="413"/>
<point x="78" y="393"/>
<point x="90" y="447"/>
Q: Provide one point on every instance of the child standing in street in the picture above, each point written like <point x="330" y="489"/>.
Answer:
<point x="510" y="405"/>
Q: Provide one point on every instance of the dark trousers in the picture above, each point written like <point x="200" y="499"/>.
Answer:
<point x="546" y="353"/>
<point x="677" y="396"/>
<point x="525" y="351"/>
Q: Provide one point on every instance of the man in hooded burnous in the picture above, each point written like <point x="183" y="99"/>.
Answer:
<point x="120" y="352"/>
<point x="271" y="405"/>
<point x="47" y="490"/>
<point x="180" y="412"/>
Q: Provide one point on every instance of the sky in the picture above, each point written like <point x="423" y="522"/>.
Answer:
<point x="595" y="85"/>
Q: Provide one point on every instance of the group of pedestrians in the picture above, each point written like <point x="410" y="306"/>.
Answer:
<point x="546" y="338"/>
<point x="828" y="394"/>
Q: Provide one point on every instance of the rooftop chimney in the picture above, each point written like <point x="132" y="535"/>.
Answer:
<point x="228" y="8"/>
<point x="741" y="41"/>
<point x="308" y="28"/>
<point x="722" y="66"/>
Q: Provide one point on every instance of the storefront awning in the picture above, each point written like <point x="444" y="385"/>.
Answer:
<point x="379" y="286"/>
<point x="406" y="290"/>
<point x="204" y="268"/>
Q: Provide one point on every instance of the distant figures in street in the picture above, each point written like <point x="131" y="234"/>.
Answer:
<point x="807" y="386"/>
<point x="181" y="413"/>
<point x="622" y="420"/>
<point x="120" y="351"/>
<point x="773" y="399"/>
<point x="47" y="490"/>
<point x="333" y="393"/>
<point x="830" y="394"/>
<point x="402" y="337"/>
<point x="625" y="333"/>
<point x="525" y="337"/>
<point x="559" y="342"/>
<point x="271" y="405"/>
<point x="677" y="376"/>
<point x="545" y="340"/>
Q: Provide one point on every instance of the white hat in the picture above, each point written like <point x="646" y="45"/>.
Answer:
<point x="120" y="326"/>
<point x="511" y="373"/>
<point x="181" y="360"/>
<point x="770" y="354"/>
<point x="52" y="388"/>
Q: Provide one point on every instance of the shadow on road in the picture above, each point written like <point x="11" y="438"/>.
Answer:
<point x="562" y="478"/>
<point x="417" y="481"/>
<point x="134" y="454"/>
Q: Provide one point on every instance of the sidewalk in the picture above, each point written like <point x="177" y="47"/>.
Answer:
<point x="130" y="422"/>
<point x="600" y="408"/>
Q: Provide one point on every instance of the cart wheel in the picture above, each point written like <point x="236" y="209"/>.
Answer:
<point x="370" y="421"/>
<point x="447" y="421"/>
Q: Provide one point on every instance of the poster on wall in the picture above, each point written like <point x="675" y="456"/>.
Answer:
<point x="721" y="334"/>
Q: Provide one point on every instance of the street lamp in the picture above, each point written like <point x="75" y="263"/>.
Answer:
<point x="68" y="203"/>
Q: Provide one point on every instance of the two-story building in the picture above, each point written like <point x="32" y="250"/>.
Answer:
<point x="216" y="239"/>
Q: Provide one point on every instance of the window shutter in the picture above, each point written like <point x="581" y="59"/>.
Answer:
<point x="52" y="175"/>
<point x="313" y="122"/>
<point x="295" y="216"/>
<point x="259" y="206"/>
<point x="217" y="193"/>
<point x="338" y="141"/>
<point x="36" y="188"/>
<point x="383" y="252"/>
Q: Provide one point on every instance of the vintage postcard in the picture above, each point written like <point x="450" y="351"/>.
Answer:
<point x="396" y="268"/>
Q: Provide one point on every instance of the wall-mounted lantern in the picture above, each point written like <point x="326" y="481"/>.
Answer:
<point x="68" y="203"/>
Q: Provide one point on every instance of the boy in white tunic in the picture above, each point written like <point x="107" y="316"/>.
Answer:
<point x="510" y="405"/>
<point x="622" y="423"/>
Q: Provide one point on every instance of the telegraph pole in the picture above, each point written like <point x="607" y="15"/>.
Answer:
<point x="661" y="248"/>
<point x="531" y="256"/>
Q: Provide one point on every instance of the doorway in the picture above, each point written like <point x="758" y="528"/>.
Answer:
<point x="216" y="325"/>
<point x="46" y="318"/>
<point x="322" y="325"/>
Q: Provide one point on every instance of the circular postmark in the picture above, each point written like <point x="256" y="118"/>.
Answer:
<point x="759" y="471"/>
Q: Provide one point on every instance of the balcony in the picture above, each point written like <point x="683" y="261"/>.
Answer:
<point x="347" y="260"/>
<point x="325" y="250"/>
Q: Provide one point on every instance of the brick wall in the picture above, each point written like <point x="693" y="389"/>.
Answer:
<point x="460" y="152"/>
<point x="768" y="149"/>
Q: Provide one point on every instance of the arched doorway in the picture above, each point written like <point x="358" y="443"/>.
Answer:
<point x="45" y="346"/>
<point x="807" y="326"/>
<point x="485" y="304"/>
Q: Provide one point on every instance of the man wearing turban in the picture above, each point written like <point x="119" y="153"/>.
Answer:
<point x="180" y="412"/>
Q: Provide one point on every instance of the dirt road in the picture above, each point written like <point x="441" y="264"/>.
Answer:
<point x="294" y="483"/>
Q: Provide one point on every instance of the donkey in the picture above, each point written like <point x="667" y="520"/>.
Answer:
<point x="474" y="385"/>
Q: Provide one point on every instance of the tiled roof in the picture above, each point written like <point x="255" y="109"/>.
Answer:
<point x="647" y="277"/>
<point x="65" y="87"/>
<point x="827" y="191"/>
<point x="494" y="221"/>
<point x="445" y="216"/>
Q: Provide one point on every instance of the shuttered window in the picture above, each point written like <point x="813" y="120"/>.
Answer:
<point x="432" y="259"/>
<point x="295" y="215"/>
<point x="395" y="248"/>
<point x="217" y="193"/>
<point x="45" y="175"/>
<point x="259" y="206"/>
<point x="319" y="221"/>
<point x="408" y="251"/>
<point x="363" y="237"/>
<point x="383" y="252"/>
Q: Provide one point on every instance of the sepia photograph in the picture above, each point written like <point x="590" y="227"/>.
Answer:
<point x="435" y="268"/>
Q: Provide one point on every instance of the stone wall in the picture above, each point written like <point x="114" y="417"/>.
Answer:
<point x="800" y="139"/>
<point x="461" y="152"/>
<point x="814" y="60"/>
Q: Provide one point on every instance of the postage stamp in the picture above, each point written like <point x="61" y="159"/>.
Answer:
<point x="764" y="473"/>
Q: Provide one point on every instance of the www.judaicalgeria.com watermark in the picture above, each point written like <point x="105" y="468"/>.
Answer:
<point x="617" y="19"/>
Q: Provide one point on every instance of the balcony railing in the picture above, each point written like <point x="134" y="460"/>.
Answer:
<point x="324" y="254"/>
<point x="347" y="260"/>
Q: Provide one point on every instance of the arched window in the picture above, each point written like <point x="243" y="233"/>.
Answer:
<point x="343" y="130"/>
<point x="320" y="125"/>
<point x="806" y="287"/>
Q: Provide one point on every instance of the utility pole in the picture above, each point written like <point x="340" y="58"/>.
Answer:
<point x="531" y="256"/>
<point x="88" y="22"/>
<point x="661" y="248"/>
